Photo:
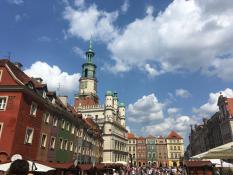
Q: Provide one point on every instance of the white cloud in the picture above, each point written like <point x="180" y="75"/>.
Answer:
<point x="181" y="124"/>
<point x="44" y="39"/>
<point x="150" y="10"/>
<point x="208" y="109"/>
<point x="90" y="22"/>
<point x="79" y="3"/>
<point x="125" y="6"/>
<point x="145" y="109"/>
<point x="183" y="93"/>
<point x="79" y="52"/>
<point x="152" y="71"/>
<point x="223" y="69"/>
<point x="16" y="2"/>
<point x="174" y="42"/>
<point x="53" y="76"/>
<point x="172" y="111"/>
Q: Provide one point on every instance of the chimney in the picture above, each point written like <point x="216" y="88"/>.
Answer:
<point x="18" y="64"/>
<point x="39" y="80"/>
<point x="64" y="100"/>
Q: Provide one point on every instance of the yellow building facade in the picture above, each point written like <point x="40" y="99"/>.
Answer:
<point x="175" y="148"/>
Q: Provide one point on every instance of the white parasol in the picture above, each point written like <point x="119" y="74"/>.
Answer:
<point x="33" y="166"/>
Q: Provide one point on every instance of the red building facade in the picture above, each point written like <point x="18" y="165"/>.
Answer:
<point x="34" y="121"/>
<point x="141" y="151"/>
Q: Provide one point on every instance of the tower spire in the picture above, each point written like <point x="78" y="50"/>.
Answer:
<point x="90" y="53"/>
<point x="90" y="44"/>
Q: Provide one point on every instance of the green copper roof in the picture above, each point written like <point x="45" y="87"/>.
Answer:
<point x="109" y="93"/>
<point x="90" y="53"/>
<point x="121" y="105"/>
<point x="90" y="46"/>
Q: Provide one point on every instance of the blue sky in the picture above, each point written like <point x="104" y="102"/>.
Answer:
<point x="168" y="60"/>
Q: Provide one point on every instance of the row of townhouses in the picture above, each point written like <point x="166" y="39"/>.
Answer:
<point x="40" y="125"/>
<point x="213" y="132"/>
<point x="157" y="151"/>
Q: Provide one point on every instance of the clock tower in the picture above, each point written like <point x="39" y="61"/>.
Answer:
<point x="87" y="94"/>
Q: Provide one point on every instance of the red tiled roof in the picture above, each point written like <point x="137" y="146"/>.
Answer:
<point x="91" y="123"/>
<point x="20" y="74"/>
<point x="174" y="135"/>
<point x="131" y="136"/>
<point x="197" y="163"/>
<point x="141" y="138"/>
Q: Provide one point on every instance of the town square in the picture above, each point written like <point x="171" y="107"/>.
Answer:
<point x="90" y="87"/>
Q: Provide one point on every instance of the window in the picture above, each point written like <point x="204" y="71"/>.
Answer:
<point x="63" y="124"/>
<point x="170" y="147"/>
<point x="43" y="140"/>
<point x="33" y="109"/>
<point x="66" y="144"/>
<point x="178" y="147"/>
<point x="130" y="148"/>
<point x="29" y="136"/>
<point x="67" y="126"/>
<point x="71" y="146"/>
<point x="46" y="117"/>
<point x="72" y="129"/>
<point x="1" y="129"/>
<point x="61" y="143"/>
<point x="1" y="71"/>
<point x="76" y="149"/>
<point x="79" y="149"/>
<point x="174" y="147"/>
<point x="54" y="121"/>
<point x="52" y="142"/>
<point x="3" y="102"/>
<point x="133" y="148"/>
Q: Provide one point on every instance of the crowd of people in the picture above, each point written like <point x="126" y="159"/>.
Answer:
<point x="147" y="171"/>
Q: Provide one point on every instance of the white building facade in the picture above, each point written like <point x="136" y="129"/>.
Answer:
<point x="110" y="116"/>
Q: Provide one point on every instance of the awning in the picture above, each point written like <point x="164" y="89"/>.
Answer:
<point x="57" y="165"/>
<point x="85" y="167"/>
<point x="221" y="163"/>
<point x="197" y="163"/>
<point x="33" y="166"/>
<point x="220" y="152"/>
<point x="100" y="166"/>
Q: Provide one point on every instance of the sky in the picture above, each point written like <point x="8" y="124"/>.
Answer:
<point x="168" y="60"/>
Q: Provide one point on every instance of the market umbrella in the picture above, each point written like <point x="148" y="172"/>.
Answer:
<point x="221" y="152"/>
<point x="33" y="166"/>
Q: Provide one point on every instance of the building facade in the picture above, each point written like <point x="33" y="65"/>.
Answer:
<point x="151" y="150"/>
<point x="162" y="155"/>
<point x="215" y="131"/>
<point x="156" y="151"/>
<point x="132" y="145"/>
<point x="141" y="151"/>
<point x="175" y="149"/>
<point x="39" y="125"/>
<point x="110" y="117"/>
